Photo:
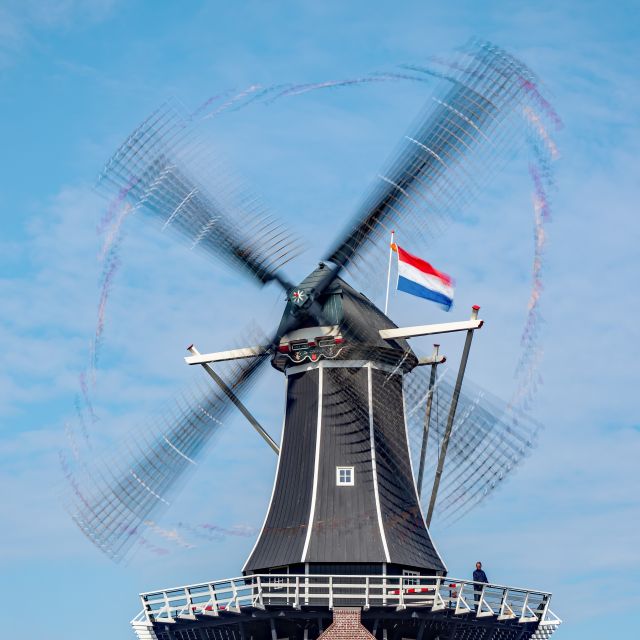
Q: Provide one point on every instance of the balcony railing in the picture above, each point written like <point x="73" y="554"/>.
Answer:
<point x="463" y="597"/>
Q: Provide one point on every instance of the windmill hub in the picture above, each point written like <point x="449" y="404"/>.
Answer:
<point x="338" y="324"/>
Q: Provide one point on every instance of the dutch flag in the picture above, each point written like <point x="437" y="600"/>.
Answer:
<point x="418" y="277"/>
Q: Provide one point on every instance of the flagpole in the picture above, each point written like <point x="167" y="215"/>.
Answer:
<point x="386" y="302"/>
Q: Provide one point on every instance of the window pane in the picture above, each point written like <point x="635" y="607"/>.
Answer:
<point x="344" y="476"/>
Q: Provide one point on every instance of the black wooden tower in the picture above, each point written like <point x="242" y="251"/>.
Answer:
<point x="344" y="498"/>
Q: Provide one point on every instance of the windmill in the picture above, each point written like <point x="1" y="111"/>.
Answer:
<point x="344" y="525"/>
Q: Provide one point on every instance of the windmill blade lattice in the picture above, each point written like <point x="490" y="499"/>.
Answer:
<point x="488" y="442"/>
<point x="453" y="149"/>
<point x="111" y="504"/>
<point x="166" y="168"/>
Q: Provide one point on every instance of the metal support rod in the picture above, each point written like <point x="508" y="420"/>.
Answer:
<point x="451" y="417"/>
<point x="234" y="398"/>
<point x="427" y="417"/>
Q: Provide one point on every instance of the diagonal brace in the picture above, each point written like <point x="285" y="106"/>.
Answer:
<point x="434" y="360"/>
<point x="234" y="398"/>
<point x="452" y="413"/>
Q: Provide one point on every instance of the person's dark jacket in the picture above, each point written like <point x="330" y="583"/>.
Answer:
<point x="480" y="576"/>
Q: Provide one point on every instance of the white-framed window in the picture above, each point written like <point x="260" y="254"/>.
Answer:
<point x="345" y="476"/>
<point x="407" y="578"/>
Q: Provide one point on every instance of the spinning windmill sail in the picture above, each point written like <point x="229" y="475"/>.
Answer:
<point x="453" y="148"/>
<point x="160" y="170"/>
<point x="121" y="492"/>
<point x="488" y="442"/>
<point x="342" y="374"/>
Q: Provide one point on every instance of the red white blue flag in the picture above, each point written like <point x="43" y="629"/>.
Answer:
<point x="419" y="278"/>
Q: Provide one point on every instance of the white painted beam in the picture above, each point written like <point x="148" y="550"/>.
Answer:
<point x="438" y="359"/>
<point x="430" y="329"/>
<point x="221" y="356"/>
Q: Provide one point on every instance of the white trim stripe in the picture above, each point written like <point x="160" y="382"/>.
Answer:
<point x="374" y="470"/>
<point x="413" y="476"/>
<point x="316" y="466"/>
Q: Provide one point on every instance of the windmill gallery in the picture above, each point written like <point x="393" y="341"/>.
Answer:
<point x="345" y="549"/>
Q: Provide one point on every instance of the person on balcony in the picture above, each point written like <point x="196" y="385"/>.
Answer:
<point x="478" y="576"/>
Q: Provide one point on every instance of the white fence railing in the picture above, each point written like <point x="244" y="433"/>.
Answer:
<point x="259" y="591"/>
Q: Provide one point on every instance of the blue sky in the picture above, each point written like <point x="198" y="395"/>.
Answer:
<point x="76" y="77"/>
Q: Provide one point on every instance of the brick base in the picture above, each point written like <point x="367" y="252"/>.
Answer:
<point x="346" y="625"/>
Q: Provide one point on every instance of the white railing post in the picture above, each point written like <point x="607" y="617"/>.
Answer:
<point x="330" y="592"/>
<point x="543" y="615"/>
<point x="257" y="592"/>
<point x="189" y="604"/>
<point x="234" y="592"/>
<point x="438" y="602"/>
<point x="506" y="611"/>
<point x="462" y="606"/>
<point x="166" y="605"/>
<point x="527" y="614"/>
<point x="525" y="603"/>
<point x="145" y="608"/>
<point x="480" y="613"/>
<point x="366" y="593"/>
<point x="213" y="600"/>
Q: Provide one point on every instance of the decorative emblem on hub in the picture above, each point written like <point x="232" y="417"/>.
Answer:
<point x="298" y="296"/>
